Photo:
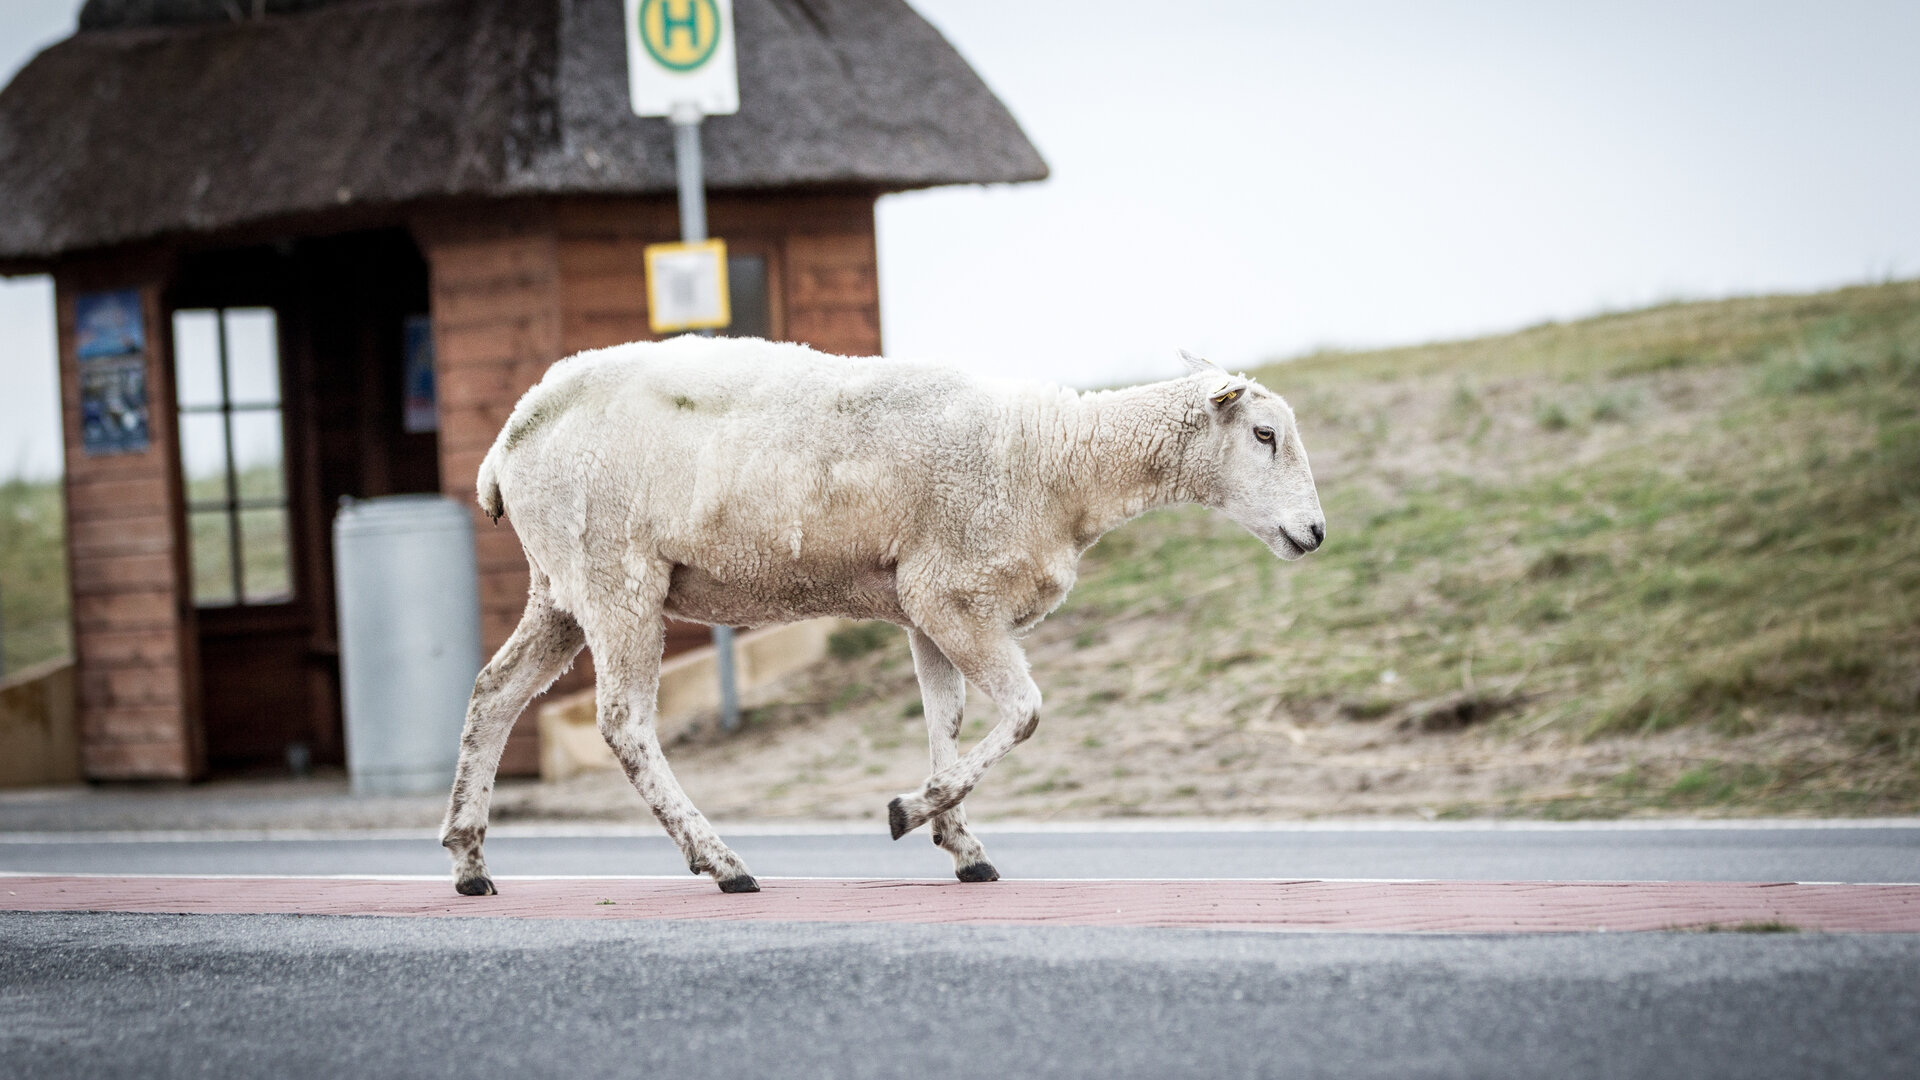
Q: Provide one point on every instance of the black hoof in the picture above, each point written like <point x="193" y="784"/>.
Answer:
<point x="475" y="886"/>
<point x="741" y="883"/>
<point x="897" y="818"/>
<point x="980" y="871"/>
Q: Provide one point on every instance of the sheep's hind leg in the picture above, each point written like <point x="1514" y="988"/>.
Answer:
<point x="541" y="647"/>
<point x="943" y="692"/>
<point x="627" y="666"/>
<point x="997" y="666"/>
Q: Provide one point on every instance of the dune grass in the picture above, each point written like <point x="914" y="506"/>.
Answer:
<point x="1699" y="514"/>
<point x="33" y="574"/>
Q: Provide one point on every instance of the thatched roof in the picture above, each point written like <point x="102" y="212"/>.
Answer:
<point x="170" y="116"/>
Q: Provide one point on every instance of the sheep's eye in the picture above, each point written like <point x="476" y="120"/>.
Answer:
<point x="1264" y="434"/>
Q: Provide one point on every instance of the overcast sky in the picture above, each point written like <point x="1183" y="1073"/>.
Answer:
<point x="1252" y="178"/>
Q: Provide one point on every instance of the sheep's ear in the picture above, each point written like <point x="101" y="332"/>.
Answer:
<point x="1228" y="395"/>
<point x="1197" y="364"/>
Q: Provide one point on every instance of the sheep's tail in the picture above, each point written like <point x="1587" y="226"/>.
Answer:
<point x="548" y="399"/>
<point x="488" y="484"/>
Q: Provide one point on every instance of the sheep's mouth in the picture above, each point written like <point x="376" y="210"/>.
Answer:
<point x="1285" y="546"/>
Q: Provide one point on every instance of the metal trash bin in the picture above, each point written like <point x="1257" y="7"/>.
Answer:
<point x="407" y="586"/>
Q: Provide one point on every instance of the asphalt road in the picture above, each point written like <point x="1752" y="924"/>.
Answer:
<point x="1572" y="853"/>
<point x="163" y="996"/>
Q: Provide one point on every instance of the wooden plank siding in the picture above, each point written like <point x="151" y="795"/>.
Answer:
<point x="823" y="275"/>
<point x="133" y="633"/>
<point x="833" y="291"/>
<point x="495" y="293"/>
<point x="512" y="296"/>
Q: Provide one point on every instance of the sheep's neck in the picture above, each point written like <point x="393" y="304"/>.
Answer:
<point x="1128" y="456"/>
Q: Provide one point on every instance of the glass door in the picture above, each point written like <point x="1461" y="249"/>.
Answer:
<point x="256" y="696"/>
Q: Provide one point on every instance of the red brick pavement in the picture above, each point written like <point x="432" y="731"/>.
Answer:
<point x="1445" y="906"/>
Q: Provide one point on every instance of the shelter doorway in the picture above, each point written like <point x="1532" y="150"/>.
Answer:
<point x="298" y="379"/>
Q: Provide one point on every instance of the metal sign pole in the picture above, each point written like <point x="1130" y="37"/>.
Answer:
<point x="692" y="184"/>
<point x="693" y="229"/>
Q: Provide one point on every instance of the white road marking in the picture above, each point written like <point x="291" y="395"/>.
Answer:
<point x="586" y="831"/>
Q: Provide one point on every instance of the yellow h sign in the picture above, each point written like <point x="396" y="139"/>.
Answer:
<point x="679" y="34"/>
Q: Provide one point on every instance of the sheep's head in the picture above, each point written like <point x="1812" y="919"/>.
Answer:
<point x="1256" y="462"/>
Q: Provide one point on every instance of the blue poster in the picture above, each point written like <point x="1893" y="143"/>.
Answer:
<point x="110" y="341"/>
<point x="108" y="324"/>
<point x="421" y="410"/>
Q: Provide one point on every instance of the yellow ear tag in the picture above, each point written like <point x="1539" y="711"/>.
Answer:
<point x="1226" y="397"/>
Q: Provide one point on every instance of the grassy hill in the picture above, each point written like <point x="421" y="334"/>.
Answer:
<point x="1661" y="560"/>
<point x="1700" y="514"/>
<point x="1689" y="514"/>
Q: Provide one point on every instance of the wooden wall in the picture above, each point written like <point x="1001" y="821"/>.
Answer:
<point x="495" y="293"/>
<point x="823" y="273"/>
<point x="132" y="619"/>
<point x="513" y="292"/>
<point x="833" y="292"/>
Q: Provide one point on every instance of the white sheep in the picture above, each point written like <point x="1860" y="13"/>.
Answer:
<point x="744" y="482"/>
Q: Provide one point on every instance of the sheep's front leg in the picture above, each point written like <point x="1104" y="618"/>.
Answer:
<point x="943" y="692"/>
<point x="541" y="647"/>
<point x="627" y="663"/>
<point x="994" y="663"/>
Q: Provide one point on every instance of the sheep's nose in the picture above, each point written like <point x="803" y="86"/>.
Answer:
<point x="1319" y="531"/>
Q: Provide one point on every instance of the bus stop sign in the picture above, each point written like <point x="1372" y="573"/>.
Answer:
<point x="680" y="58"/>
